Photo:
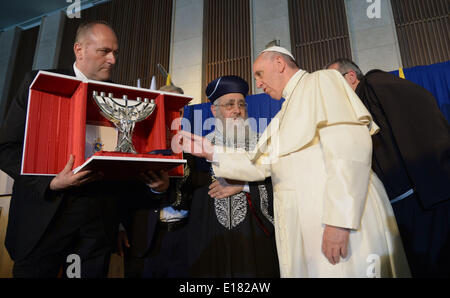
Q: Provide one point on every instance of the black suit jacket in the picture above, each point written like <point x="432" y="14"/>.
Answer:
<point x="140" y="207"/>
<point x="140" y="212"/>
<point x="33" y="204"/>
<point x="412" y="149"/>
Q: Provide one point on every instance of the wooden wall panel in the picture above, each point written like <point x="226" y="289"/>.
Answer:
<point x="319" y="32"/>
<point x="227" y="42"/>
<point x="143" y="28"/>
<point x="423" y="30"/>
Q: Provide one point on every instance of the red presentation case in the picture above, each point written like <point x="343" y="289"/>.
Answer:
<point x="60" y="107"/>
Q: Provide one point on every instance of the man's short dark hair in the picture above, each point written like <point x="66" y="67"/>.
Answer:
<point x="86" y="27"/>
<point x="346" y="65"/>
<point x="171" y="88"/>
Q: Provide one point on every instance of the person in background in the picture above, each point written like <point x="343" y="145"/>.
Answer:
<point x="411" y="156"/>
<point x="153" y="237"/>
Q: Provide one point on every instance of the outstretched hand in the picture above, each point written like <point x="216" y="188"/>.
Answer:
<point x="193" y="144"/>
<point x="67" y="179"/>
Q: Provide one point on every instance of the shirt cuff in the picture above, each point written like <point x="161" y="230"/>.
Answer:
<point x="154" y="191"/>
<point x="215" y="159"/>
<point x="246" y="188"/>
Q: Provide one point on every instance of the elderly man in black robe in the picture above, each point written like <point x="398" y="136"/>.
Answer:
<point x="411" y="156"/>
<point x="230" y="227"/>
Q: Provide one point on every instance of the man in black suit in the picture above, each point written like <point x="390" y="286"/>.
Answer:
<point x="155" y="215"/>
<point x="154" y="239"/>
<point x="411" y="156"/>
<point x="54" y="217"/>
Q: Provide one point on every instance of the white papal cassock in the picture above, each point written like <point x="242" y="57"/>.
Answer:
<point x="318" y="151"/>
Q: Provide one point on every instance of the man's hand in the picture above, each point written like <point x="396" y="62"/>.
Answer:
<point x="158" y="181"/>
<point x="122" y="240"/>
<point x="335" y="243"/>
<point x="67" y="179"/>
<point x="220" y="189"/>
<point x="193" y="144"/>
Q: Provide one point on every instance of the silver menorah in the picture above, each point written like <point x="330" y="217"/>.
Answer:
<point x="124" y="113"/>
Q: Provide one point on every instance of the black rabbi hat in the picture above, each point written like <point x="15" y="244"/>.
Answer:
<point x="224" y="85"/>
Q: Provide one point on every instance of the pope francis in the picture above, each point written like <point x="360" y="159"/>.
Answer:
<point x="332" y="215"/>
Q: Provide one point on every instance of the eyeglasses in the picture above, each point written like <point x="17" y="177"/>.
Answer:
<point x="231" y="105"/>
<point x="345" y="73"/>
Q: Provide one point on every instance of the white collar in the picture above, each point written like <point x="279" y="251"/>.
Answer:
<point x="78" y="73"/>
<point x="292" y="83"/>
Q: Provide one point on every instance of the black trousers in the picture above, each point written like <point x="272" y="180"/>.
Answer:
<point x="77" y="228"/>
<point x="425" y="235"/>
<point x="167" y="256"/>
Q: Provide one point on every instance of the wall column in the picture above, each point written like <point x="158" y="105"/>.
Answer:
<point x="270" y="22"/>
<point x="49" y="41"/>
<point x="186" y="59"/>
<point x="373" y="40"/>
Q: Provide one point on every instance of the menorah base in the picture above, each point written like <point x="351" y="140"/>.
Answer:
<point x="124" y="138"/>
<point x="126" y="148"/>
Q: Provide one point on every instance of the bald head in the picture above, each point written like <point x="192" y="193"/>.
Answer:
<point x="86" y="28"/>
<point x="95" y="50"/>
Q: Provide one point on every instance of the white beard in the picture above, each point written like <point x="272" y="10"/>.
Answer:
<point x="234" y="133"/>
